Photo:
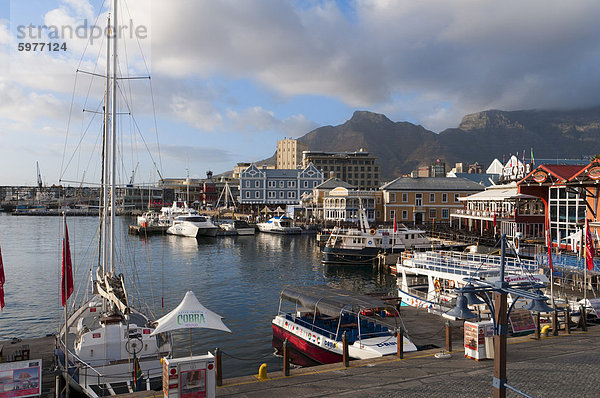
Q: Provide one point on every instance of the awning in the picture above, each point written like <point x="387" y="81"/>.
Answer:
<point x="330" y="301"/>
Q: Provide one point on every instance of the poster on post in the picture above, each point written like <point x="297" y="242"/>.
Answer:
<point x="521" y="321"/>
<point x="20" y="379"/>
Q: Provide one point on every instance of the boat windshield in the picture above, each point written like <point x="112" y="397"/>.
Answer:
<point x="192" y="218"/>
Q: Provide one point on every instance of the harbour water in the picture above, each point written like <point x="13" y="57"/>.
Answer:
<point x="237" y="277"/>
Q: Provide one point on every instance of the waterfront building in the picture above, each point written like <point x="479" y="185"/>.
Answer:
<point x="512" y="212"/>
<point x="342" y="204"/>
<point x="425" y="200"/>
<point x="356" y="168"/>
<point x="198" y="192"/>
<point x="274" y="187"/>
<point x="240" y="167"/>
<point x="289" y="153"/>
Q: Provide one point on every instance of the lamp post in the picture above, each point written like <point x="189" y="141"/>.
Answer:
<point x="475" y="289"/>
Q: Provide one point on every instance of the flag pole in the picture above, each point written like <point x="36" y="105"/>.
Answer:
<point x="65" y="295"/>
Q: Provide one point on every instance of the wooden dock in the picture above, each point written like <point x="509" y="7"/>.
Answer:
<point x="37" y="348"/>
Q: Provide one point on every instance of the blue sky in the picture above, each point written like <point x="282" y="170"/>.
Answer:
<point x="230" y="77"/>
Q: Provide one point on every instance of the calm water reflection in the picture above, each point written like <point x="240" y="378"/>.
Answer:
<point x="238" y="277"/>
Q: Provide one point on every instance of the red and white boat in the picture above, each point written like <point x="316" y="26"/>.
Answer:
<point x="319" y="315"/>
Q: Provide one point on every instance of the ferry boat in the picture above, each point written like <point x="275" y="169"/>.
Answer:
<point x="318" y="316"/>
<point x="428" y="279"/>
<point x="362" y="245"/>
<point x="279" y="225"/>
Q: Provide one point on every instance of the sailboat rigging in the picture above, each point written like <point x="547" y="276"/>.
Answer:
<point x="106" y="343"/>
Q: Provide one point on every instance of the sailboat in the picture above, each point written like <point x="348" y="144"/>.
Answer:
<point x="106" y="339"/>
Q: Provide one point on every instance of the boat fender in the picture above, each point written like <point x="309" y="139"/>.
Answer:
<point x="372" y="231"/>
<point x="437" y="285"/>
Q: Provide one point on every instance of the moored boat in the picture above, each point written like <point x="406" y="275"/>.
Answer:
<point x="193" y="226"/>
<point x="318" y="316"/>
<point x="279" y="225"/>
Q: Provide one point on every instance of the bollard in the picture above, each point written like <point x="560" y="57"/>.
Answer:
<point x="583" y="318"/>
<point x="218" y="368"/>
<point x="286" y="358"/>
<point x="400" y="343"/>
<point x="567" y="321"/>
<point x="345" y="357"/>
<point x="262" y="372"/>
<point x="555" y="323"/>
<point x="448" y="336"/>
<point x="537" y="326"/>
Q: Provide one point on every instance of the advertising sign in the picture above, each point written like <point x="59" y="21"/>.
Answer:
<point x="521" y="321"/>
<point x="21" y="379"/>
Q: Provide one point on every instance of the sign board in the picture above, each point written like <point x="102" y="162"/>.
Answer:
<point x="475" y="339"/>
<point x="515" y="279"/>
<point x="595" y="304"/>
<point x="521" y="320"/>
<point x="21" y="379"/>
<point x="189" y="377"/>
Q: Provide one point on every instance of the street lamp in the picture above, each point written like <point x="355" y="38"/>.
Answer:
<point x="476" y="289"/>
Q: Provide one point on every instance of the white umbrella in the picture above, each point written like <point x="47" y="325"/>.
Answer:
<point x="190" y="314"/>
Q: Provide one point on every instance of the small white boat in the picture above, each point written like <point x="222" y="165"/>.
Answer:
<point x="192" y="225"/>
<point x="237" y="227"/>
<point x="279" y="225"/>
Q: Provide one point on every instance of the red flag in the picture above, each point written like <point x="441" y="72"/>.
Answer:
<point x="589" y="247"/>
<point x="67" y="269"/>
<point x="549" y="244"/>
<point x="2" y="280"/>
<point x="395" y="225"/>
<point x="494" y="219"/>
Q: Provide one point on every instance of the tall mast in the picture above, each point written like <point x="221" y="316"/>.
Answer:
<point x="114" y="140"/>
<point x="106" y="157"/>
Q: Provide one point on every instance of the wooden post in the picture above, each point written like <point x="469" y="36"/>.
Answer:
<point x="583" y="318"/>
<point x="345" y="358"/>
<point x="400" y="343"/>
<point x="218" y="366"/>
<point x="500" y="334"/>
<point x="537" y="326"/>
<point x="286" y="358"/>
<point x="555" y="323"/>
<point x="567" y="321"/>
<point x="448" y="337"/>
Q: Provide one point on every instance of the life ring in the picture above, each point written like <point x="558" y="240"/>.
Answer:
<point x="437" y="285"/>
<point x="372" y="231"/>
<point x="451" y="284"/>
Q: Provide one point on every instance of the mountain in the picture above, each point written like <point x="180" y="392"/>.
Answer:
<point x="402" y="146"/>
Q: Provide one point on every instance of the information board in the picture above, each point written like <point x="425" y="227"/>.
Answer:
<point x="20" y="379"/>
<point x="521" y="320"/>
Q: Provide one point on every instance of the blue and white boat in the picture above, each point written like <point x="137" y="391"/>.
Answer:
<point x="279" y="225"/>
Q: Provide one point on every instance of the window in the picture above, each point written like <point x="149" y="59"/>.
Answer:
<point x="378" y="214"/>
<point x="445" y="214"/>
<point x="456" y="196"/>
<point x="404" y="214"/>
<point x="314" y="184"/>
<point x="281" y="184"/>
<point x="281" y="194"/>
<point x="247" y="184"/>
<point x="444" y="198"/>
<point x="392" y="197"/>
<point x="257" y="184"/>
<point x="419" y="199"/>
<point x="248" y="194"/>
<point x="271" y="194"/>
<point x="432" y="214"/>
<point x="392" y="214"/>
<point x="431" y="198"/>
<point x="272" y="184"/>
<point x="305" y="184"/>
<point x="291" y="184"/>
<point x="257" y="194"/>
<point x="404" y="197"/>
<point x="291" y="194"/>
<point x="378" y="200"/>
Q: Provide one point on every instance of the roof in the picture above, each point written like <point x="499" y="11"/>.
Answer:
<point x="282" y="173"/>
<point x="481" y="178"/>
<point x="498" y="192"/>
<point x="432" y="184"/>
<point x="330" y="301"/>
<point x="334" y="183"/>
<point x="563" y="171"/>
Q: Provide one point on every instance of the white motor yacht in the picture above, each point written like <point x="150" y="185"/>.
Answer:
<point x="192" y="225"/>
<point x="279" y="225"/>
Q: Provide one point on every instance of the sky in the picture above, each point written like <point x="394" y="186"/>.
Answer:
<point x="231" y="77"/>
